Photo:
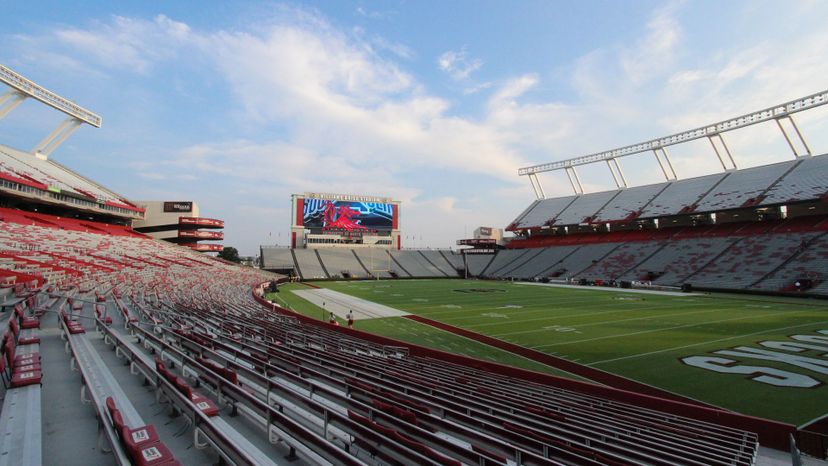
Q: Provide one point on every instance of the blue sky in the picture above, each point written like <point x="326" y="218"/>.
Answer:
<point x="239" y="105"/>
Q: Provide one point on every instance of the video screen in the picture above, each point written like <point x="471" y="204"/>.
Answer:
<point x="348" y="215"/>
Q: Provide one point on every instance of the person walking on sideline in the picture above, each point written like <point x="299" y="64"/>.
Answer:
<point x="350" y="318"/>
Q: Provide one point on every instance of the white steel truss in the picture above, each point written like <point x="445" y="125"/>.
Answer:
<point x="22" y="88"/>
<point x="782" y="114"/>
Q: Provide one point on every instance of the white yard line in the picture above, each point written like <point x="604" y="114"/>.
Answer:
<point x="578" y="326"/>
<point x="707" y="342"/>
<point x="621" y="335"/>
<point x="607" y="288"/>
<point x="565" y="316"/>
<point x="341" y="303"/>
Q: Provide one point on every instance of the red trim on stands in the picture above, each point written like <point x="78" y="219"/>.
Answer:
<point x="23" y="181"/>
<point x="20" y="256"/>
<point x="394" y="219"/>
<point x="145" y="261"/>
<point x="22" y="277"/>
<point x="86" y="194"/>
<point x="62" y="223"/>
<point x="78" y="261"/>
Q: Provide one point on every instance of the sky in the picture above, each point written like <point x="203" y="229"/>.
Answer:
<point x="238" y="105"/>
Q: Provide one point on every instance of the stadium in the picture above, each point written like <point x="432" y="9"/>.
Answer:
<point x="682" y="322"/>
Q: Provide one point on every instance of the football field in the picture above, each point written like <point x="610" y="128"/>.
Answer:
<point x="756" y="355"/>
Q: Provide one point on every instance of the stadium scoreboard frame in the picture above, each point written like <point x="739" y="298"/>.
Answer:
<point x="344" y="220"/>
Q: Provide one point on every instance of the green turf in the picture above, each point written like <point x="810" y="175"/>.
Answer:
<point x="414" y="332"/>
<point x="638" y="336"/>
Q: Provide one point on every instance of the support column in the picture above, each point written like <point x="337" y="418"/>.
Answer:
<point x="536" y="185"/>
<point x="57" y="137"/>
<point x="617" y="173"/>
<point x="666" y="164"/>
<point x="9" y="101"/>
<point x="574" y="180"/>
<point x="796" y="152"/>
<point x="727" y="162"/>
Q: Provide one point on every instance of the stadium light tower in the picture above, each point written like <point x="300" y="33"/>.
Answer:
<point x="782" y="114"/>
<point x="21" y="88"/>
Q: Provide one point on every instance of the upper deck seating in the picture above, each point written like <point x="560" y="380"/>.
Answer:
<point x="584" y="208"/>
<point x="541" y="212"/>
<point x="743" y="188"/>
<point x="807" y="181"/>
<point x="51" y="174"/>
<point x="629" y="203"/>
<point x="680" y="196"/>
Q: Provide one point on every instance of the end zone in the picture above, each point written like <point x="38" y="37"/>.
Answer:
<point x="341" y="303"/>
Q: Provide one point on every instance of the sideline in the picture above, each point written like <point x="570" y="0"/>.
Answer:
<point x="607" y="288"/>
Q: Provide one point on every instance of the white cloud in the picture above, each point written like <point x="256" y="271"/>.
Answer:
<point x="127" y="42"/>
<point x="458" y="64"/>
<point x="322" y="108"/>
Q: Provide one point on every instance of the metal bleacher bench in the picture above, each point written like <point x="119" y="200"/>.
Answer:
<point x="20" y="423"/>
<point x="98" y="385"/>
<point x="20" y="433"/>
<point x="215" y="431"/>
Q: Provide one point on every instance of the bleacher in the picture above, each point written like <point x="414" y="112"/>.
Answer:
<point x="780" y="183"/>
<point x="768" y="256"/>
<point x="743" y="188"/>
<point x="341" y="262"/>
<point x="252" y="385"/>
<point x="809" y="180"/>
<point x="415" y="264"/>
<point x="629" y="203"/>
<point x="758" y="228"/>
<point x="476" y="263"/>
<point x="24" y="171"/>
<point x="361" y="263"/>
<point x="539" y="213"/>
<point x="622" y="259"/>
<point x="454" y="258"/>
<point x="584" y="208"/>
<point x="308" y="265"/>
<point x="277" y="258"/>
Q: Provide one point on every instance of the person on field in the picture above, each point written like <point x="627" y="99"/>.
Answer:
<point x="350" y="318"/>
<point x="332" y="319"/>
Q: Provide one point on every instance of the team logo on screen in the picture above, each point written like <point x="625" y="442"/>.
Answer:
<point x="347" y="216"/>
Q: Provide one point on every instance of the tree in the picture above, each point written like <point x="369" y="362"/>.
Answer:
<point x="231" y="254"/>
